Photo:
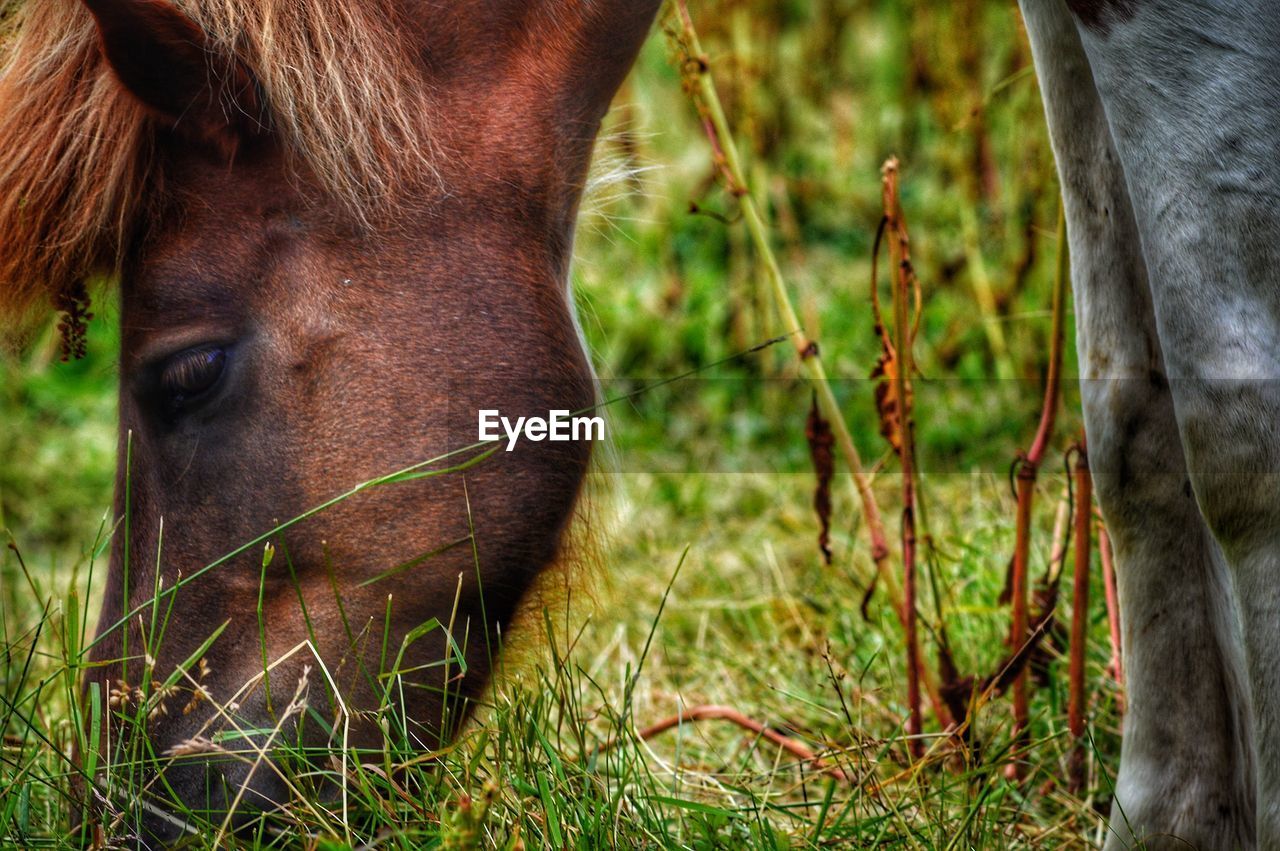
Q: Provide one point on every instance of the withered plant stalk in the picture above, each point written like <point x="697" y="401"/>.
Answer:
<point x="1116" y="667"/>
<point x="1028" y="466"/>
<point x="1077" y="698"/>
<point x="696" y="72"/>
<point x="904" y="288"/>
<point x="712" y="712"/>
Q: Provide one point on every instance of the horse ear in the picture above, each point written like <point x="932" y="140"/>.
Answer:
<point x="166" y="61"/>
<point x="598" y="43"/>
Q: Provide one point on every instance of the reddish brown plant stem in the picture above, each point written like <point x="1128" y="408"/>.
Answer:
<point x="1020" y="595"/>
<point x="899" y="255"/>
<point x="1028" y="467"/>
<point x="915" y="724"/>
<point x="711" y="712"/>
<point x="1116" y="668"/>
<point x="1079" y="617"/>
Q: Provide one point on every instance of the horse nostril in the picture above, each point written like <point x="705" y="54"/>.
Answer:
<point x="204" y="791"/>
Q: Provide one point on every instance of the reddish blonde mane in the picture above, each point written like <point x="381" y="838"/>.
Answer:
<point x="77" y="166"/>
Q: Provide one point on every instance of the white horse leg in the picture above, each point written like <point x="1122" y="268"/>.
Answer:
<point x="1191" y="91"/>
<point x="1186" y="765"/>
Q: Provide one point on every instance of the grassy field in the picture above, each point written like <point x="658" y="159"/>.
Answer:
<point x="712" y="589"/>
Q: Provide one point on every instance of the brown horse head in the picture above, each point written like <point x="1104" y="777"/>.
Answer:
<point x="341" y="229"/>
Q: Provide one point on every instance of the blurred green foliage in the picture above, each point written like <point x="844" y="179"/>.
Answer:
<point x="58" y="442"/>
<point x="820" y="95"/>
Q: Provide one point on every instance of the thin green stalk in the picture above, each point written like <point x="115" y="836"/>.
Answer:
<point x="727" y="155"/>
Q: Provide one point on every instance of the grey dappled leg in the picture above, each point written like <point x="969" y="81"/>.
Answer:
<point x="1192" y="95"/>
<point x="1186" y="766"/>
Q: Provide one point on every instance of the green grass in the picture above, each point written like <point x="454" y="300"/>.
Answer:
<point x="712" y="480"/>
<point x="754" y="620"/>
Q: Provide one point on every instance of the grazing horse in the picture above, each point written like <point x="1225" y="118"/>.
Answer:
<point x="1165" y="121"/>
<point x="340" y="229"/>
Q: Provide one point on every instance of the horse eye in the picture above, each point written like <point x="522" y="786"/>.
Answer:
<point x="187" y="375"/>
